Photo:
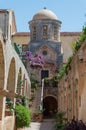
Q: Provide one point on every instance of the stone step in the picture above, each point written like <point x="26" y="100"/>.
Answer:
<point x="45" y="125"/>
<point x="37" y="100"/>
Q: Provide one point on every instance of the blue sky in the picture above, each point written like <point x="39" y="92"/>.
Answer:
<point x="70" y="12"/>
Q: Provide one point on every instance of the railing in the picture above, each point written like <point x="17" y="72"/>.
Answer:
<point x="41" y="105"/>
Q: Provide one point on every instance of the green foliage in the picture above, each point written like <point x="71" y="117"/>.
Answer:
<point x="65" y="68"/>
<point x="51" y="81"/>
<point x="24" y="101"/>
<point x="17" y="48"/>
<point x="34" y="82"/>
<point x="69" y="60"/>
<point x="10" y="104"/>
<point x="22" y="116"/>
<point x="46" y="82"/>
<point x="76" y="46"/>
<point x="32" y="96"/>
<point x="54" y="81"/>
<point x="60" y="121"/>
<point x="32" y="76"/>
<point x="81" y="39"/>
<point x="19" y="84"/>
<point x="62" y="72"/>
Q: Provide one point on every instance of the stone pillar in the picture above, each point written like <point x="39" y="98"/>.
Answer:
<point x="2" y="111"/>
<point x="1" y="106"/>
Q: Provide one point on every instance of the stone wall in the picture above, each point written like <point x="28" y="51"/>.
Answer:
<point x="9" y="123"/>
<point x="10" y="66"/>
<point x="72" y="87"/>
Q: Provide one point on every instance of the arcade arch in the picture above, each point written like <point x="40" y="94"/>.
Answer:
<point x="11" y="77"/>
<point x="2" y="71"/>
<point x="49" y="106"/>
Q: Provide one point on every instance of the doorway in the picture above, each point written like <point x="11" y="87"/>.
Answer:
<point x="49" y="106"/>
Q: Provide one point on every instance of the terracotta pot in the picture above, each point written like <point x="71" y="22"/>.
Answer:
<point x="40" y="117"/>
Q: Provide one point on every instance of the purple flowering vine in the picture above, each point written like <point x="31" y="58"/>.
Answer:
<point x="36" y="60"/>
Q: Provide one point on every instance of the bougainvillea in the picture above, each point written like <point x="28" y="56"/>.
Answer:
<point x="35" y="60"/>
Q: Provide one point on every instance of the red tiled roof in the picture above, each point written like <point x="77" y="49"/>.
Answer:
<point x="62" y="34"/>
<point x="70" y="33"/>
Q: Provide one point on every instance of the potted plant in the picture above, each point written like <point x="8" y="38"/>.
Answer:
<point x="60" y="121"/>
<point x="40" y="114"/>
<point x="22" y="116"/>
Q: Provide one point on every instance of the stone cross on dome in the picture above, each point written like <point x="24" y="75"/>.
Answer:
<point x="45" y="8"/>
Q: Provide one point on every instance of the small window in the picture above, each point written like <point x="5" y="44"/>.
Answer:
<point x="44" y="52"/>
<point x="55" y="32"/>
<point x="34" y="32"/>
<point x="45" y="34"/>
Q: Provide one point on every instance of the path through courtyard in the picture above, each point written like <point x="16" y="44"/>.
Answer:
<point x="47" y="124"/>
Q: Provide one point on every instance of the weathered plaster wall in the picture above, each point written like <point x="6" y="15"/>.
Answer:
<point x="71" y="88"/>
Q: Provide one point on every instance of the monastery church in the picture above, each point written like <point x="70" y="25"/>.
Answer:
<point x="46" y="39"/>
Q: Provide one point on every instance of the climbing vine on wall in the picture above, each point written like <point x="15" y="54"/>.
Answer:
<point x="35" y="60"/>
<point x="80" y="40"/>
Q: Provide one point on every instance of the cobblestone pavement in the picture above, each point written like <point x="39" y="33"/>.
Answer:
<point x="45" y="125"/>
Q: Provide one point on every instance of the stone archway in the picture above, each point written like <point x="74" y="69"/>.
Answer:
<point x="11" y="77"/>
<point x="10" y="85"/>
<point x="1" y="67"/>
<point x="2" y="78"/>
<point x="49" y="106"/>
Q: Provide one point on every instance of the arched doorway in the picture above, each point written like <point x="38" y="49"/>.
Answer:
<point x="49" y="106"/>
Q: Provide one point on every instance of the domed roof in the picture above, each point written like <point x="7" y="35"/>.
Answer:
<point x="45" y="14"/>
